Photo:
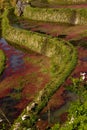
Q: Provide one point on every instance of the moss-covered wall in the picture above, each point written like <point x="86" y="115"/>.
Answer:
<point x="63" y="59"/>
<point x="50" y="15"/>
<point x="0" y="27"/>
<point x="64" y="15"/>
<point x="35" y="41"/>
<point x="81" y="16"/>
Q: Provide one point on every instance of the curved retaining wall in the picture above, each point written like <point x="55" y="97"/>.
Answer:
<point x="63" y="15"/>
<point x="62" y="55"/>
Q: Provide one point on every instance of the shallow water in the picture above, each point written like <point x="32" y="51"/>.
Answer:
<point x="55" y="115"/>
<point x="16" y="65"/>
<point x="84" y="59"/>
<point x="14" y="59"/>
<point x="22" y="78"/>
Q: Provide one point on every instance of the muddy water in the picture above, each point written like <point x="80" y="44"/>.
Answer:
<point x="16" y="90"/>
<point x="24" y="75"/>
<point x="60" y="30"/>
<point x="56" y="113"/>
<point x="56" y="110"/>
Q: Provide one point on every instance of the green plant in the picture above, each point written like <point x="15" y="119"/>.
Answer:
<point x="56" y="127"/>
<point x="77" y="117"/>
<point x="56" y="50"/>
<point x="2" y="61"/>
<point x="3" y="127"/>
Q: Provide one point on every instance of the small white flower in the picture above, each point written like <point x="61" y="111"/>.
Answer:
<point x="83" y="75"/>
<point x="30" y="107"/>
<point x="24" y="117"/>
<point x="72" y="119"/>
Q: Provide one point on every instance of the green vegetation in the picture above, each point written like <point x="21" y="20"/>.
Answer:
<point x="62" y="15"/>
<point x="2" y="61"/>
<point x="50" y="15"/>
<point x="58" y="2"/>
<point x="4" y="4"/>
<point x="63" y="59"/>
<point x="77" y="117"/>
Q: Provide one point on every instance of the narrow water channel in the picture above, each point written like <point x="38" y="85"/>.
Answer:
<point x="56" y="110"/>
<point x="25" y="74"/>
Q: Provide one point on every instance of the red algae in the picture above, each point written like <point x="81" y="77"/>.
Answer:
<point x="22" y="79"/>
<point x="5" y="92"/>
<point x="61" y="97"/>
<point x="55" y="29"/>
<point x="30" y="76"/>
<point x="63" y="117"/>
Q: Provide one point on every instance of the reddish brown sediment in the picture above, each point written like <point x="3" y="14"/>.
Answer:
<point x="60" y="98"/>
<point x="63" y="117"/>
<point x="22" y="79"/>
<point x="5" y="92"/>
<point x="30" y="78"/>
<point x="61" y="30"/>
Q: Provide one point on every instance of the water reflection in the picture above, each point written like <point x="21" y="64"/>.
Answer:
<point x="14" y="60"/>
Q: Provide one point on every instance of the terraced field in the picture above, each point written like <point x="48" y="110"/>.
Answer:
<point x="39" y="73"/>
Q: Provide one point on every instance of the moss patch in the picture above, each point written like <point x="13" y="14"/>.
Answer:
<point x="2" y="61"/>
<point x="63" y="59"/>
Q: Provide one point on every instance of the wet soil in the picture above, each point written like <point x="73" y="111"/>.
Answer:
<point x="56" y="110"/>
<point x="29" y="70"/>
<point x="60" y="30"/>
<point x="58" y="5"/>
<point x="25" y="74"/>
<point x="60" y="101"/>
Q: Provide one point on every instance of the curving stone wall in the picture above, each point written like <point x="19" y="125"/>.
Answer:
<point x="50" y="15"/>
<point x="62" y="15"/>
<point x="62" y="55"/>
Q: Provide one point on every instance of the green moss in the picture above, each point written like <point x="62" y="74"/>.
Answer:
<point x="2" y="61"/>
<point x="62" y="15"/>
<point x="50" y="15"/>
<point x="62" y="55"/>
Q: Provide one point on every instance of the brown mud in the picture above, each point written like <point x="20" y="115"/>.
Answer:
<point x="61" y="97"/>
<point x="60" y="30"/>
<point x="23" y="81"/>
<point x="25" y="74"/>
